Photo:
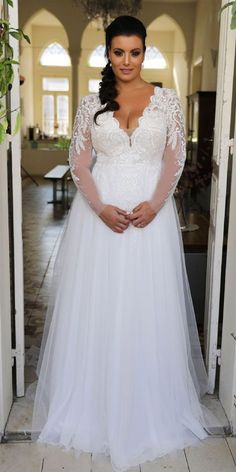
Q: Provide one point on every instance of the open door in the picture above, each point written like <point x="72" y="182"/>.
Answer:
<point x="227" y="392"/>
<point x="218" y="191"/>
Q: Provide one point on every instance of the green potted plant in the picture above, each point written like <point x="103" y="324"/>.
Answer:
<point x="233" y="19"/>
<point x="6" y="71"/>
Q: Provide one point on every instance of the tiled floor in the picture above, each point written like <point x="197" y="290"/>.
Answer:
<point x="212" y="455"/>
<point x="42" y="226"/>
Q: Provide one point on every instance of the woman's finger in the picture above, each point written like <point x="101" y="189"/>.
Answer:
<point x="138" y="221"/>
<point x="117" y="229"/>
<point x="120" y="211"/>
<point x="134" y="216"/>
<point x="122" y="226"/>
<point x="138" y="207"/>
<point x="122" y="219"/>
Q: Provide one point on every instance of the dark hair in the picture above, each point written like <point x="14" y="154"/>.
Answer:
<point x="122" y="26"/>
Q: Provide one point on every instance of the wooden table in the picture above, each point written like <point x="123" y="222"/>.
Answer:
<point x="58" y="173"/>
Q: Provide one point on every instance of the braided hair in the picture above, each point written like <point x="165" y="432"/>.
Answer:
<point x="124" y="25"/>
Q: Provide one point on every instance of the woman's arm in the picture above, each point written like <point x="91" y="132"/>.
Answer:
<point x="172" y="164"/>
<point x="174" y="154"/>
<point x="80" y="156"/>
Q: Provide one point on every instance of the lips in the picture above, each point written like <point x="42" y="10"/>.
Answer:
<point x="126" y="71"/>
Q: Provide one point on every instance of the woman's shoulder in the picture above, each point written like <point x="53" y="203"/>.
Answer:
<point x="90" y="100"/>
<point x="166" y="93"/>
<point x="167" y="98"/>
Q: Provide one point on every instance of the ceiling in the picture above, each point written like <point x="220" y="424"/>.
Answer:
<point x="171" y="1"/>
<point x="44" y="18"/>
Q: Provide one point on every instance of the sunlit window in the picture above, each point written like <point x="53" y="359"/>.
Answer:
<point x="154" y="59"/>
<point x="55" y="105"/>
<point x="55" y="84"/>
<point x="93" y="85"/>
<point x="55" y="55"/>
<point x="97" y="57"/>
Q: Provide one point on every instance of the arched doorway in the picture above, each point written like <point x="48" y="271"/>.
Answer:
<point x="48" y="84"/>
<point x="166" y="34"/>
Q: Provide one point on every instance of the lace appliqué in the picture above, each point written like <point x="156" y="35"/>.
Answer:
<point x="175" y="151"/>
<point x="176" y="136"/>
<point x="80" y="152"/>
<point x="157" y="143"/>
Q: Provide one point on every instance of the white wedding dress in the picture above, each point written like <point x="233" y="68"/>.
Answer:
<point x="120" y="370"/>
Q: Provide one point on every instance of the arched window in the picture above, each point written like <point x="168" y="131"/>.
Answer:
<point x="55" y="55"/>
<point x="154" y="59"/>
<point x="97" y="57"/>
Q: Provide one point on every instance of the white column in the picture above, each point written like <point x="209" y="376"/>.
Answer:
<point x="75" y="81"/>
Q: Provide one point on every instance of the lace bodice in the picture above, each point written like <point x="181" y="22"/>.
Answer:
<point x="158" y="140"/>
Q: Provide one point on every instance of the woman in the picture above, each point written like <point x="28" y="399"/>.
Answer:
<point x="120" y="368"/>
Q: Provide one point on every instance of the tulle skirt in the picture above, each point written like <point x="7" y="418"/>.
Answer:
<point x="120" y="368"/>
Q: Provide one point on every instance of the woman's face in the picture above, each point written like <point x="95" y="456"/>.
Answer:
<point x="126" y="54"/>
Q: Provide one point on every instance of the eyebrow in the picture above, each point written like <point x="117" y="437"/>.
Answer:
<point x="134" y="49"/>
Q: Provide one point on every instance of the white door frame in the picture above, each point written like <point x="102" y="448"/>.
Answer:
<point x="227" y="391"/>
<point x="225" y="76"/>
<point x="19" y="350"/>
<point x="6" y="393"/>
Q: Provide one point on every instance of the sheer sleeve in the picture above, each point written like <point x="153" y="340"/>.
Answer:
<point x="174" y="154"/>
<point x="80" y="155"/>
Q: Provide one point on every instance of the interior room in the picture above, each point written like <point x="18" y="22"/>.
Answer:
<point x="62" y="64"/>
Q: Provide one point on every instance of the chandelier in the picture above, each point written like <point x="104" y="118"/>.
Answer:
<point x="106" y="10"/>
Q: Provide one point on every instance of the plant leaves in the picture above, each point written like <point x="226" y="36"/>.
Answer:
<point x="4" y="22"/>
<point x="16" y="34"/>
<point x="17" y="123"/>
<point x="233" y="22"/>
<point x="3" y="84"/>
<point x="6" y="62"/>
<point x="2" y="112"/>
<point x="3" y="128"/>
<point x="233" y="19"/>
<point x="10" y="2"/>
<point x="9" y="74"/>
<point x="26" y="37"/>
<point x="226" y="5"/>
<point x="9" y="51"/>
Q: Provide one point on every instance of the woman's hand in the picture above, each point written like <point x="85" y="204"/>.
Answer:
<point x="142" y="215"/>
<point x="115" y="218"/>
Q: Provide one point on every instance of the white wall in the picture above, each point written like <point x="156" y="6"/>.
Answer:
<point x="38" y="162"/>
<point x="206" y="40"/>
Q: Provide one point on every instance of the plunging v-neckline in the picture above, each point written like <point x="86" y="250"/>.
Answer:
<point x="140" y="118"/>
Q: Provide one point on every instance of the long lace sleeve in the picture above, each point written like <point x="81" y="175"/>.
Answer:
<point x="80" y="155"/>
<point x="174" y="154"/>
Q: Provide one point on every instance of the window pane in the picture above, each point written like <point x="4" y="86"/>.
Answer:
<point x="93" y="85"/>
<point x="62" y="114"/>
<point x="48" y="115"/>
<point x="97" y="58"/>
<point x="55" y="55"/>
<point x="154" y="59"/>
<point x="53" y="84"/>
